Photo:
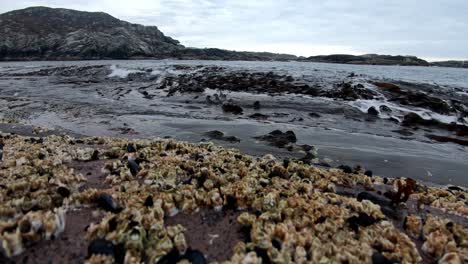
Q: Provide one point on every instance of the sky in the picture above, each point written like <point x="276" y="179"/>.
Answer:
<point x="430" y="29"/>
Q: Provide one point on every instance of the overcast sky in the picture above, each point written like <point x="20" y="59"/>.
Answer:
<point x="431" y="29"/>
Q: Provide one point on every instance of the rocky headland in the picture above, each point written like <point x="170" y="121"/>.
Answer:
<point x="42" y="33"/>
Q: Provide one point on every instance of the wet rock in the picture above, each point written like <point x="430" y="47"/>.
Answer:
<point x="232" y="139"/>
<point x="362" y="219"/>
<point x="404" y="132"/>
<point x="455" y="188"/>
<point x="256" y="105"/>
<point x="349" y="92"/>
<point x="95" y="155"/>
<point x="372" y="111"/>
<point x="279" y="139"/>
<point x="149" y="201"/>
<point x="231" y="203"/>
<point x="218" y="135"/>
<point x="194" y="257"/>
<point x="2" y="145"/>
<point x="101" y="247"/>
<point x="345" y="168"/>
<point x="314" y="115"/>
<point x="263" y="254"/>
<point x="385" y="109"/>
<point x="307" y="148"/>
<point x="131" y="148"/>
<point x="412" y="119"/>
<point x="133" y="167"/>
<point x="443" y="139"/>
<point x="232" y="108"/>
<point x="423" y="100"/>
<point x="308" y="158"/>
<point x="378" y="258"/>
<point x="259" y="116"/>
<point x="368" y="173"/>
<point x="215" y="134"/>
<point x="172" y="257"/>
<point x="107" y="203"/>
<point x="63" y="191"/>
<point x="388" y="86"/>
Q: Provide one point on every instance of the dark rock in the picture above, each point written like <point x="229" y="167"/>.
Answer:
<point x="404" y="132"/>
<point x="133" y="167"/>
<point x="232" y="139"/>
<point x="388" y="86"/>
<point x="232" y="108"/>
<point x="368" y="173"/>
<point x="314" y="115"/>
<point x="443" y="139"/>
<point x="218" y="135"/>
<point x="256" y="105"/>
<point x="231" y="203"/>
<point x="385" y="109"/>
<point x="149" y="201"/>
<point x="307" y="159"/>
<point x="279" y="139"/>
<point x="131" y="148"/>
<point x="455" y="188"/>
<point x="412" y="119"/>
<point x="378" y="258"/>
<point x="259" y="116"/>
<point x="263" y="254"/>
<point x="345" y="168"/>
<point x="362" y="219"/>
<point x="172" y="257"/>
<point x="347" y="91"/>
<point x="107" y="203"/>
<point x="372" y="111"/>
<point x="307" y="148"/>
<point x="101" y="247"/>
<point x="63" y="191"/>
<point x="194" y="256"/>
<point x="95" y="155"/>
<point x="215" y="134"/>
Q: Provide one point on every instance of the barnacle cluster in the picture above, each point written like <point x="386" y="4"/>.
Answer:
<point x="290" y="212"/>
<point x="35" y="186"/>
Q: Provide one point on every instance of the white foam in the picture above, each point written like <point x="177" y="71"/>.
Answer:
<point x="399" y="111"/>
<point x="120" y="72"/>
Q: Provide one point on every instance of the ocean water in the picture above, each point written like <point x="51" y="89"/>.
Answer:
<point x="441" y="76"/>
<point x="107" y="102"/>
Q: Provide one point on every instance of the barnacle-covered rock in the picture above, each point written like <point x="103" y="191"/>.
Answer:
<point x="287" y="211"/>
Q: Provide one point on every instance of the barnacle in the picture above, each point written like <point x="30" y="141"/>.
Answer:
<point x="288" y="211"/>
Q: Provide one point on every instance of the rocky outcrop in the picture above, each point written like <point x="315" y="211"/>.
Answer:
<point x="55" y="33"/>
<point x="451" y="63"/>
<point x="373" y="59"/>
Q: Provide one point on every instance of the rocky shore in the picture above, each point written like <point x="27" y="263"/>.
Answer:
<point x="105" y="200"/>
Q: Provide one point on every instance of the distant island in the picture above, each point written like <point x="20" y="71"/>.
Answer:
<point x="43" y="33"/>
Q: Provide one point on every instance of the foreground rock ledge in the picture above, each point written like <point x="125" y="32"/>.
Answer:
<point x="133" y="194"/>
